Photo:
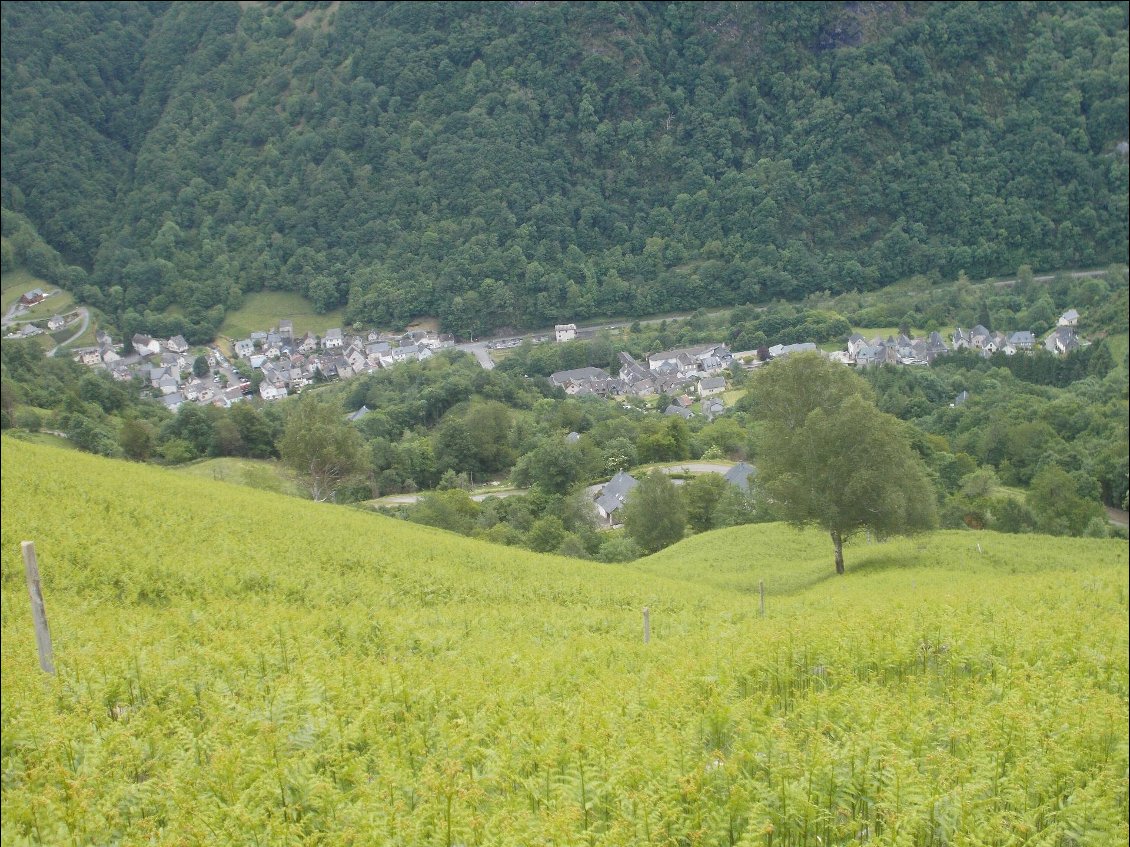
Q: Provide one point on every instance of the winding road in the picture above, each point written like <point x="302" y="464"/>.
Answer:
<point x="82" y="310"/>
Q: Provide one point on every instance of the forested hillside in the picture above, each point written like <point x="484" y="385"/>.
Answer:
<point x="516" y="164"/>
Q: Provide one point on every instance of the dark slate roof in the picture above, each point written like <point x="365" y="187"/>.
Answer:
<point x="577" y="375"/>
<point x="686" y="414"/>
<point x="619" y="485"/>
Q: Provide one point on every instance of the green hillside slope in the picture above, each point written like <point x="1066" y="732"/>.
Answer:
<point x="519" y="164"/>
<point x="239" y="667"/>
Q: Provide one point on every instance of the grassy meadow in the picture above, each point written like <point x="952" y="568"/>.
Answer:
<point x="264" y="309"/>
<point x="264" y="474"/>
<point x="239" y="667"/>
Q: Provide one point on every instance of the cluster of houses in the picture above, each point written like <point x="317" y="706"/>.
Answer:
<point x="29" y="330"/>
<point x="893" y="351"/>
<point x="165" y="365"/>
<point x="610" y="498"/>
<point x="290" y="363"/>
<point x="902" y="350"/>
<point x="1059" y="342"/>
<point x="686" y="373"/>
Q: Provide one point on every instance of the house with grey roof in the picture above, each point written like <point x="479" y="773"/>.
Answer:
<point x="711" y="385"/>
<point x="679" y="411"/>
<point x="1061" y="341"/>
<point x="1069" y="318"/>
<point x="631" y="371"/>
<point x="613" y="495"/>
<point x="713" y="407"/>
<point x="1022" y="340"/>
<point x="979" y="336"/>
<point x="577" y="375"/>
<point x="172" y="401"/>
<point x="360" y="413"/>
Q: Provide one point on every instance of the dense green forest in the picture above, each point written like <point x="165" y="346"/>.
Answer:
<point x="511" y="164"/>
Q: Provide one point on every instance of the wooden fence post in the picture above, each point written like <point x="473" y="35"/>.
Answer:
<point x="761" y="590"/>
<point x="38" y="612"/>
<point x="646" y="624"/>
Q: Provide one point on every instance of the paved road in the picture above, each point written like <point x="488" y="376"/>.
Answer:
<point x="409" y="499"/>
<point x="686" y="467"/>
<point x="480" y="351"/>
<point x="1007" y="283"/>
<point x="85" y="323"/>
<point x="1117" y="516"/>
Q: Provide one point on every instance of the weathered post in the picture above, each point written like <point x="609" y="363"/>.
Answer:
<point x="38" y="612"/>
<point x="646" y="624"/>
<point x="761" y="591"/>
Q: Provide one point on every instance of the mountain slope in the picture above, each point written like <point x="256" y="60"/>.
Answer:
<point x="235" y="664"/>
<point x="517" y="164"/>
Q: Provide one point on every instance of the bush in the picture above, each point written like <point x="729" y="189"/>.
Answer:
<point x="28" y="419"/>
<point x="621" y="549"/>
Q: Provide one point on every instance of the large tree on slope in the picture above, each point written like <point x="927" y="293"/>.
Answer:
<point x="828" y="457"/>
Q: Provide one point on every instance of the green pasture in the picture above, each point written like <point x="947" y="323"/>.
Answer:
<point x="264" y="309"/>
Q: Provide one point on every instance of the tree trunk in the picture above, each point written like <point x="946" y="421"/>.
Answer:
<point x="838" y="543"/>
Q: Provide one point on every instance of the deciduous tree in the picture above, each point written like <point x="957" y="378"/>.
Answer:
<point x="654" y="514"/>
<point x="829" y="457"/>
<point x="321" y="447"/>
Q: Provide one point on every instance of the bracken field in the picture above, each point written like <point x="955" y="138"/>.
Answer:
<point x="237" y="667"/>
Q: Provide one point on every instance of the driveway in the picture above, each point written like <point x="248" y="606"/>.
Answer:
<point x="82" y="310"/>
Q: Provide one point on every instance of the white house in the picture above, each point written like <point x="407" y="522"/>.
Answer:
<point x="1069" y="318"/>
<point x="56" y="322"/>
<point x="334" y="339"/>
<point x="270" y="391"/>
<point x="565" y="332"/>
<point x="177" y="344"/>
<point x="146" y="346"/>
<point x="1061" y="340"/>
<point x="614" y="494"/>
<point x="779" y="350"/>
<point x="244" y="348"/>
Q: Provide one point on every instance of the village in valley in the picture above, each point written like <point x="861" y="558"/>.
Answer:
<point x="277" y="362"/>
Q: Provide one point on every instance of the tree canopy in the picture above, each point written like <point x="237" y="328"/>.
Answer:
<point x="828" y="457"/>
<point x="321" y="448"/>
<point x="654" y="513"/>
